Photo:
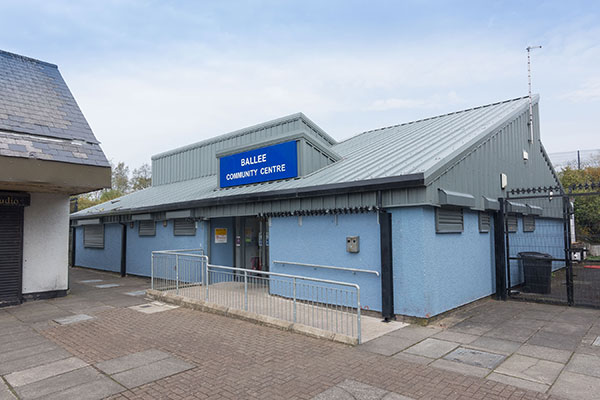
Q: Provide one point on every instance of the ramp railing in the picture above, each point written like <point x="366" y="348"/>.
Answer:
<point x="328" y="305"/>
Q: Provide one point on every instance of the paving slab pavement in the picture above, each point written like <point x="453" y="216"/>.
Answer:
<point x="353" y="390"/>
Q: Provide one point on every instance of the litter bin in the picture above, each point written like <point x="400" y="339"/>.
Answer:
<point x="537" y="271"/>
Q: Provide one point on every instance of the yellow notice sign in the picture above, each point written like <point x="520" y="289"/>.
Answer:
<point x="220" y="235"/>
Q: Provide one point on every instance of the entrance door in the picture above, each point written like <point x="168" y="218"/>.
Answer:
<point x="11" y="254"/>
<point x="254" y="240"/>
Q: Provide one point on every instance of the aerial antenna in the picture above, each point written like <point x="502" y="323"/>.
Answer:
<point x="529" y="48"/>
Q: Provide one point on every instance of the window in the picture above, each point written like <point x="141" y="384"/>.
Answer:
<point x="184" y="227"/>
<point x="528" y="223"/>
<point x="93" y="236"/>
<point x="512" y="223"/>
<point x="484" y="222"/>
<point x="449" y="220"/>
<point x="147" y="228"/>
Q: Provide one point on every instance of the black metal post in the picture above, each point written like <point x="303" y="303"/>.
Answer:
<point x="506" y="245"/>
<point x="499" y="248"/>
<point x="387" y="270"/>
<point x="567" y="242"/>
<point x="123" y="249"/>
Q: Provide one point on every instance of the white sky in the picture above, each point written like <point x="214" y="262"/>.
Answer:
<point x="151" y="76"/>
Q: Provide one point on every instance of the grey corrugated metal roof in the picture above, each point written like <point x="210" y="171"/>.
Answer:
<point x="418" y="148"/>
<point x="35" y="102"/>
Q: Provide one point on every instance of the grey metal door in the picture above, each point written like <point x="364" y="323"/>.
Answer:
<point x="11" y="254"/>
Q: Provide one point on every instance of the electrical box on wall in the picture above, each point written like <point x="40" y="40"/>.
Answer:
<point x="352" y="244"/>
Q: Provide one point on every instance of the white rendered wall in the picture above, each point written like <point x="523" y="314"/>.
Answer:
<point x="46" y="243"/>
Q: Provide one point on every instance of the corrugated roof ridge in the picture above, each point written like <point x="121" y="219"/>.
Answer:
<point x="28" y="59"/>
<point x="252" y="128"/>
<point x="434" y="117"/>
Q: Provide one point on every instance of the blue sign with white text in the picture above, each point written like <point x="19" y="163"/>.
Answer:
<point x="279" y="161"/>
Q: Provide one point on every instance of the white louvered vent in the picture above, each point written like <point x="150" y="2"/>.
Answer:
<point x="93" y="236"/>
<point x="449" y="220"/>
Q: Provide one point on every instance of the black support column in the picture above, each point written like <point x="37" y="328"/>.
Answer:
<point x="123" y="249"/>
<point x="500" y="252"/>
<point x="387" y="270"/>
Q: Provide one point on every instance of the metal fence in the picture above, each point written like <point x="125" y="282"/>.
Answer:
<point x="567" y="236"/>
<point x="324" y="304"/>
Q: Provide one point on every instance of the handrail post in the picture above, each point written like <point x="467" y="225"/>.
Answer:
<point x="358" y="322"/>
<point x="152" y="271"/>
<point x="294" y="279"/>
<point x="245" y="290"/>
<point x="207" y="280"/>
<point x="177" y="274"/>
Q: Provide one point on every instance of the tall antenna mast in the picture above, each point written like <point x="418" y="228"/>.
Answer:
<point x="529" y="48"/>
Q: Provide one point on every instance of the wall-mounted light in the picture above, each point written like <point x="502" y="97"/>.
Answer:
<point x="503" y="181"/>
<point x="165" y="223"/>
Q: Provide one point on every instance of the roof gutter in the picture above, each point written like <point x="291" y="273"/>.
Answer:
<point x="396" y="182"/>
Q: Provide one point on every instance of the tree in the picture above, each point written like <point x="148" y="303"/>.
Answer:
<point x="141" y="177"/>
<point x="120" y="179"/>
<point x="587" y="208"/>
<point x="121" y="184"/>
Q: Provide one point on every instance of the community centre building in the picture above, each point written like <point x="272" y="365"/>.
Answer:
<point x="412" y="202"/>
<point x="47" y="153"/>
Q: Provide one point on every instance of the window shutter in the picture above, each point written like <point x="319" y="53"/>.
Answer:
<point x="528" y="223"/>
<point x="93" y="236"/>
<point x="184" y="227"/>
<point x="448" y="220"/>
<point x="511" y="221"/>
<point x="147" y="228"/>
<point x="484" y="222"/>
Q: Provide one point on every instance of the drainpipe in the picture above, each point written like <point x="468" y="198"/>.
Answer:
<point x="123" y="249"/>
<point x="387" y="267"/>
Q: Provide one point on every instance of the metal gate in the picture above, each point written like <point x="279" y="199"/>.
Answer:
<point x="551" y="246"/>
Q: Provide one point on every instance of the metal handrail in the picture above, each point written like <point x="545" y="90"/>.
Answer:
<point x="354" y="270"/>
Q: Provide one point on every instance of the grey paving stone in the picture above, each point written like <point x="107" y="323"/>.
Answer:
<point x="460" y="368"/>
<point x="513" y="333"/>
<point x="21" y="364"/>
<point x="20" y="341"/>
<point x="457" y="337"/>
<point x="107" y="285"/>
<point x="131" y="361"/>
<point x="5" y="393"/>
<point x="353" y="390"/>
<point x="596" y="341"/>
<point x="472" y="327"/>
<point x="386" y="345"/>
<point x="59" y="383"/>
<point x="414" y="333"/>
<point x="30" y="375"/>
<point x="585" y="364"/>
<point x="98" y="389"/>
<point x="13" y="329"/>
<point x="361" y="391"/>
<point x="521" y="383"/>
<point x="476" y="358"/>
<point x="413" y="358"/>
<point x="555" y="340"/>
<point x="432" y="348"/>
<point x="91" y="281"/>
<point x="136" y="293"/>
<point x="73" y="319"/>
<point x="27" y="351"/>
<point x="576" y="386"/>
<point x="545" y="353"/>
<point x="532" y="369"/>
<point x="495" y="345"/>
<point x="151" y="372"/>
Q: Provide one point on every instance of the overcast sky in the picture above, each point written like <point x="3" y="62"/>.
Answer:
<point x="154" y="75"/>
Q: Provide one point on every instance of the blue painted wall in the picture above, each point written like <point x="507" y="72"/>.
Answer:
<point x="320" y="240"/>
<point x="547" y="238"/>
<point x="222" y="253"/>
<point x="140" y="248"/>
<point x="435" y="272"/>
<point x="107" y="259"/>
